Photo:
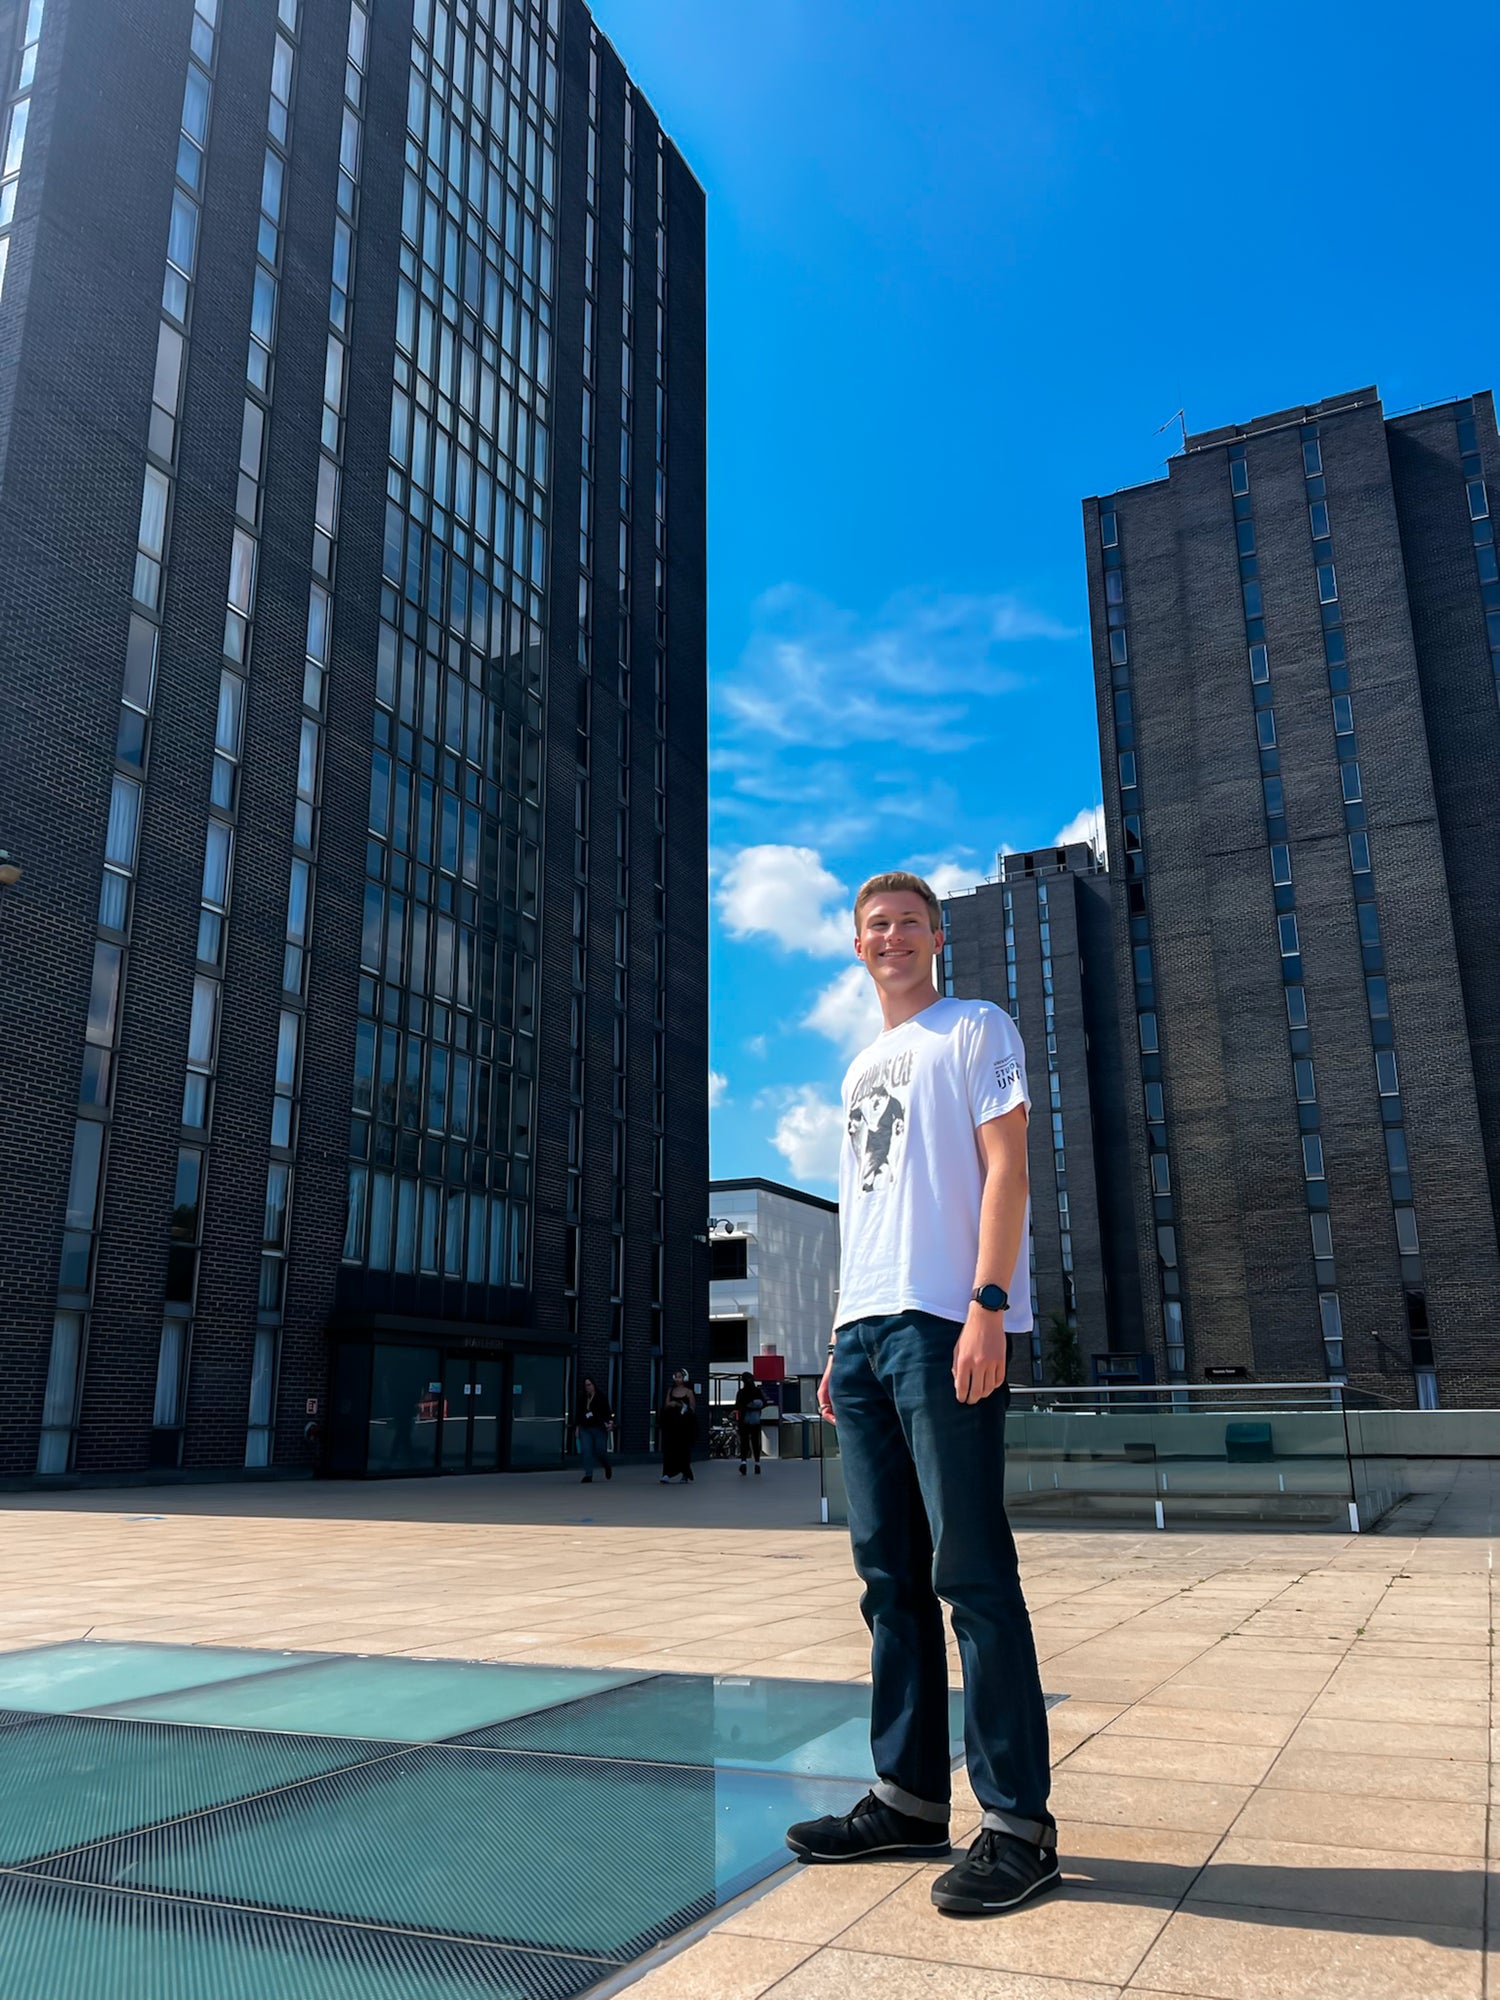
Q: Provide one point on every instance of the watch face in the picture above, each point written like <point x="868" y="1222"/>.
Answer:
<point x="991" y="1297"/>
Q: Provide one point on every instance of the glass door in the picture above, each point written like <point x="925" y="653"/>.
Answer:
<point x="484" y="1415"/>
<point x="538" y="1409"/>
<point x="457" y="1402"/>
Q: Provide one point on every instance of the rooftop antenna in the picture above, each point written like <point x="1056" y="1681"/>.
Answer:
<point x="1178" y="417"/>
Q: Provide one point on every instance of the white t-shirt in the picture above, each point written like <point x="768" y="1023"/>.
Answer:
<point x="910" y="1174"/>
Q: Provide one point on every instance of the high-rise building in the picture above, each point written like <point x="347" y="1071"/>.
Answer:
<point x="352" y="609"/>
<point x="1297" y="654"/>
<point x="1038" y="942"/>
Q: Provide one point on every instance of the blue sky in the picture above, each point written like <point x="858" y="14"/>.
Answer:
<point x="964" y="260"/>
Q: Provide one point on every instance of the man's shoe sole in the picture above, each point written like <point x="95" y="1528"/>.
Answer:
<point x="898" y="1850"/>
<point x="977" y="1906"/>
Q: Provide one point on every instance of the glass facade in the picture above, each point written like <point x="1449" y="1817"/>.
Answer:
<point x="442" y="1132"/>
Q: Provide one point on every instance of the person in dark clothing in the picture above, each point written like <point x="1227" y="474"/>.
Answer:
<point x="593" y="1420"/>
<point x="679" y="1430"/>
<point x="749" y="1411"/>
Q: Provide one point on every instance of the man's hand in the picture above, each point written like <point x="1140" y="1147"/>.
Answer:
<point x="980" y="1356"/>
<point x="825" y="1394"/>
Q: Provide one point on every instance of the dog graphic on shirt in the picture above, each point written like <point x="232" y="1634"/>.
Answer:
<point x="877" y="1132"/>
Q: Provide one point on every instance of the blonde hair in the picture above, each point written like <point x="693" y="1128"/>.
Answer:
<point x="897" y="881"/>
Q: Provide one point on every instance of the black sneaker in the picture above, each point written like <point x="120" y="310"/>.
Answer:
<point x="872" y="1828"/>
<point x="999" y="1872"/>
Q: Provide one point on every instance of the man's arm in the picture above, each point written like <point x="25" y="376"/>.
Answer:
<point x="979" y="1358"/>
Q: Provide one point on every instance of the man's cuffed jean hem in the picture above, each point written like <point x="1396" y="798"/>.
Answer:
<point x="1040" y="1832"/>
<point x="908" y="1803"/>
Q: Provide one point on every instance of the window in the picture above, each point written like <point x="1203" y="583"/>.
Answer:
<point x="728" y="1257"/>
<point x="1155" y="1108"/>
<point x="729" y="1341"/>
<point x="1406" y="1232"/>
<point x="1479" y="501"/>
<point x="1312" y="1156"/>
<point x="1328" y="588"/>
<point x="1239" y="476"/>
<point x="1109" y="530"/>
<point x="1395" y="1149"/>
<point x="1343" y="715"/>
<point x="1286" y="928"/>
<point x="1147" y="1026"/>
<point x="1312" y="457"/>
<point x="1350" y="779"/>
<point x="1385" y="1073"/>
<point x="1378" y="997"/>
<point x="1317" y="514"/>
<point x="1304" y="1081"/>
<point x="1127" y="771"/>
<point x="1166" y="1245"/>
<point x="1369" y="924"/>
<point x="1281" y="863"/>
<point x="1260" y="665"/>
<point x="1359" y="853"/>
<point x="1252" y="596"/>
<point x="1265" y="728"/>
<point x="1296" y="1006"/>
<point x="1427" y="1389"/>
<point x="1322" y="1233"/>
<point x="1161" y="1175"/>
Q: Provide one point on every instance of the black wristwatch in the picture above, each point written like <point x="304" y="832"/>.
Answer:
<point x="993" y="1298"/>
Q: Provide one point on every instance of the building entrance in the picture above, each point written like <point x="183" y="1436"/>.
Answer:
<point x="404" y="1408"/>
<point x="473" y="1404"/>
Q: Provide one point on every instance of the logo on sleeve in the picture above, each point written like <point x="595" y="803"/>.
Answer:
<point x="1007" y="1073"/>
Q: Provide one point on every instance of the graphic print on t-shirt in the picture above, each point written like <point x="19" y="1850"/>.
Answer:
<point x="877" y="1121"/>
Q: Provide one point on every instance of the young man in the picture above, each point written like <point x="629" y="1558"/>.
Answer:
<point x="933" y="1277"/>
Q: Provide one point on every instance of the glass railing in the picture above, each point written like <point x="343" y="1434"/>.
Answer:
<point x="1285" y="1455"/>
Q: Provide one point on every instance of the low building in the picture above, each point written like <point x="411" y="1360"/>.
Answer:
<point x="773" y="1284"/>
<point x="1037" y="942"/>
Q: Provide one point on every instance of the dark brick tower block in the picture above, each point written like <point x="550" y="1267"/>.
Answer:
<point x="354" y="989"/>
<point x="1297" y="655"/>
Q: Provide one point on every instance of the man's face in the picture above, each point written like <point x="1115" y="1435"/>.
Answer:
<point x="897" y="942"/>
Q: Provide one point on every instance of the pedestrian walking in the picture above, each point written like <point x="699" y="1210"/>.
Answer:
<point x="933" y="1281"/>
<point x="594" y="1421"/>
<point x="749" y="1412"/>
<point x="679" y="1430"/>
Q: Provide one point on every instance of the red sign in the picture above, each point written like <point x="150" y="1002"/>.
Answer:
<point x="769" y="1367"/>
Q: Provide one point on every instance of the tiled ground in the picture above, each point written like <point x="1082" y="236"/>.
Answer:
<point x="1273" y="1768"/>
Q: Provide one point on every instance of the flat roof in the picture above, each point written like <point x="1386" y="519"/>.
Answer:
<point x="774" y="1187"/>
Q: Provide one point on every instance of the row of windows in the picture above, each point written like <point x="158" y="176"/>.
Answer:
<point x="187" y="1216"/>
<point x="127" y="789"/>
<point x="1377" y="994"/>
<point x="1288" y="934"/>
<point x="14" y="120"/>
<point x="1482" y="527"/>
<point x="1149" y="1048"/>
<point x="1054" y="1107"/>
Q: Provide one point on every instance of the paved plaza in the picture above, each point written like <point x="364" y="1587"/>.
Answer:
<point x="1273" y="1759"/>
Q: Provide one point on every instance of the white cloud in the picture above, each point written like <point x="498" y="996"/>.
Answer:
<point x="809" y="1133"/>
<point x="817" y="675"/>
<point x="847" y="1011"/>
<point x="786" y="893"/>
<point x="755" y="1045"/>
<point x="718" y="1088"/>
<point x="1086" y="825"/>
<point x="949" y="878"/>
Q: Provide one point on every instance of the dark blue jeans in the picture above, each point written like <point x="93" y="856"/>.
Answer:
<point x="925" y="1476"/>
<point x="593" y="1443"/>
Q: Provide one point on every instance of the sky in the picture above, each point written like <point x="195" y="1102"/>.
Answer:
<point x="965" y="262"/>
